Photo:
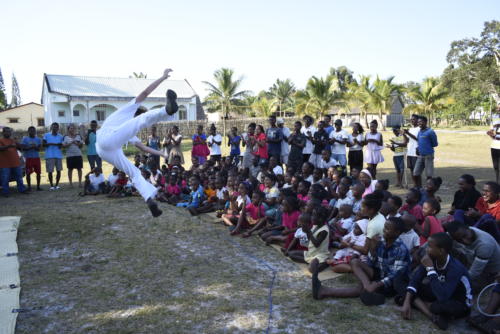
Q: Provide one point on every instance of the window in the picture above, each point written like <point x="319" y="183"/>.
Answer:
<point x="40" y="122"/>
<point x="13" y="120"/>
<point x="76" y="113"/>
<point x="182" y="113"/>
<point x="61" y="113"/>
<point x="100" y="115"/>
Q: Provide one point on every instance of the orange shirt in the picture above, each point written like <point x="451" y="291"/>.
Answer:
<point x="9" y="158"/>
<point x="493" y="209"/>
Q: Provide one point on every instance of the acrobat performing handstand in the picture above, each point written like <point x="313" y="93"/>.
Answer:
<point x="121" y="128"/>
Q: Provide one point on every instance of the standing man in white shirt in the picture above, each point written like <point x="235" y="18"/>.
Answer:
<point x="411" y="153"/>
<point x="214" y="141"/>
<point x="121" y="128"/>
<point x="338" y="140"/>
<point x="308" y="130"/>
<point x="285" y="148"/>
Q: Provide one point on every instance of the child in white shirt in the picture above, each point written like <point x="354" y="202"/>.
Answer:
<point x="349" y="247"/>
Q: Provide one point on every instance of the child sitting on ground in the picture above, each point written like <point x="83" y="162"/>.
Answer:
<point x="317" y="249"/>
<point x="251" y="214"/>
<point x="352" y="240"/>
<point x="112" y="177"/>
<point x="300" y="240"/>
<point x="118" y="189"/>
<point x="383" y="187"/>
<point x="431" y="224"/>
<point x="290" y="216"/>
<point x="237" y="203"/>
<point x="409" y="237"/>
<point x="196" y="195"/>
<point x="411" y="206"/>
<point x="342" y="224"/>
<point x="441" y="281"/>
<point x="395" y="203"/>
<point x="302" y="191"/>
<point x="94" y="183"/>
<point x="342" y="199"/>
<point x="358" y="190"/>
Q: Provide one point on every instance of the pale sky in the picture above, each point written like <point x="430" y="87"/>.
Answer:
<point x="261" y="40"/>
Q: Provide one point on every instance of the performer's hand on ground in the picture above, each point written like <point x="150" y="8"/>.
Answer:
<point x="166" y="73"/>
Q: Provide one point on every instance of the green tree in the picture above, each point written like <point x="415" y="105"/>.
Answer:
<point x="264" y="107"/>
<point x="3" y="97"/>
<point x="358" y="96"/>
<point x="16" y="94"/>
<point x="477" y="60"/>
<point x="282" y="93"/>
<point x="429" y="98"/>
<point x="343" y="77"/>
<point x="319" y="97"/>
<point x="224" y="95"/>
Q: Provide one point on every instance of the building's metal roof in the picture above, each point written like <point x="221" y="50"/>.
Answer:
<point x="113" y="87"/>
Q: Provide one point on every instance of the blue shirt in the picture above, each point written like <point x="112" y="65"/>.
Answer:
<point x="391" y="262"/>
<point x="31" y="153"/>
<point x="91" y="143"/>
<point x="451" y="282"/>
<point x="427" y="140"/>
<point x="196" y="197"/>
<point x="52" y="151"/>
<point x="235" y="145"/>
<point x="274" y="134"/>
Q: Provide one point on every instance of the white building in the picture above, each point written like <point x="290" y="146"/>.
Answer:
<point x="75" y="99"/>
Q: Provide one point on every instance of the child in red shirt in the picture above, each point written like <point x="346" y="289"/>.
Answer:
<point x="431" y="225"/>
<point x="411" y="206"/>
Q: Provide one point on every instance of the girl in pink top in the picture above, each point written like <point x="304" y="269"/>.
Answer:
<point x="431" y="224"/>
<point x="365" y="177"/>
<point x="260" y="136"/>
<point x="302" y="191"/>
<point x="290" y="216"/>
<point x="411" y="206"/>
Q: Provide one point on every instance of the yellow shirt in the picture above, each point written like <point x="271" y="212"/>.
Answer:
<point x="398" y="150"/>
<point x="321" y="253"/>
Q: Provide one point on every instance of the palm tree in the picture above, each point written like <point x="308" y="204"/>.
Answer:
<point x="224" y="96"/>
<point x="282" y="92"/>
<point x="383" y="95"/>
<point x="263" y="107"/>
<point x="430" y="97"/>
<point x="139" y="75"/>
<point x="357" y="96"/>
<point x="319" y="97"/>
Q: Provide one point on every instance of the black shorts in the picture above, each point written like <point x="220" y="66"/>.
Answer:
<point x="495" y="157"/>
<point x="215" y="157"/>
<point x="411" y="162"/>
<point x="356" y="159"/>
<point x="74" y="162"/>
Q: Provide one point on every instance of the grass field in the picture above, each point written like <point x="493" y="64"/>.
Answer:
<point x="99" y="265"/>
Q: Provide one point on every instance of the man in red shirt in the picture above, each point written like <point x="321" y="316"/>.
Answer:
<point x="10" y="163"/>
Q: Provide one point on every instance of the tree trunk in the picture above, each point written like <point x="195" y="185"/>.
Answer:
<point x="381" y="120"/>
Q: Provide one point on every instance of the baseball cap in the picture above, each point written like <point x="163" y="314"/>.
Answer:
<point x="280" y="121"/>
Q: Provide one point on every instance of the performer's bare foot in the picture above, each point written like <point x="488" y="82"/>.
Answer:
<point x="171" y="105"/>
<point x="155" y="211"/>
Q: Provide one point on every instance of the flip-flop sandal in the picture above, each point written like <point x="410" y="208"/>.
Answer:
<point x="372" y="298"/>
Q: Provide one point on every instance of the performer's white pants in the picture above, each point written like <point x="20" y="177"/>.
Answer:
<point x="116" y="131"/>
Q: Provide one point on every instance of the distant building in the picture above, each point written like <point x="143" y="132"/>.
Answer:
<point x="23" y="116"/>
<point x="75" y="99"/>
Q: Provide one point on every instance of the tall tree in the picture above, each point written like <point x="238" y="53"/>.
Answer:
<point x="224" y="95"/>
<point x="16" y="94"/>
<point x="3" y="97"/>
<point x="263" y="107"/>
<point x="343" y="77"/>
<point x="429" y="98"/>
<point x="479" y="58"/>
<point x="383" y="94"/>
<point x="282" y="93"/>
<point x="358" y="96"/>
<point x="319" y="97"/>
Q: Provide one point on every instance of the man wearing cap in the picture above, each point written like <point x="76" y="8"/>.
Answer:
<point x="274" y="137"/>
<point x="338" y="140"/>
<point x="285" y="149"/>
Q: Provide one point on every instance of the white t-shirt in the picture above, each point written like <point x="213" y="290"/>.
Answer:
<point x="96" y="180"/>
<point x="220" y="193"/>
<point x="343" y="201"/>
<point x="240" y="200"/>
<point x="308" y="149"/>
<point x="327" y="164"/>
<point x="360" y="137"/>
<point x="375" y="226"/>
<point x="302" y="236"/>
<point x="278" y="170"/>
<point x="214" y="149"/>
<point x="412" y="143"/>
<point x="338" y="148"/>
<point x="112" y="179"/>
<point x="285" y="148"/>
<point x="410" y="239"/>
<point x="347" y="223"/>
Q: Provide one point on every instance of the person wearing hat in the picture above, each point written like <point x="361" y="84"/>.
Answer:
<point x="285" y="148"/>
<point x="338" y="140"/>
<point x="495" y="146"/>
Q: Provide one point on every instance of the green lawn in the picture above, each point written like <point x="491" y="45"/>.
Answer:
<point x="99" y="265"/>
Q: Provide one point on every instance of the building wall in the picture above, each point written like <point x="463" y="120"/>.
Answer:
<point x="27" y="116"/>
